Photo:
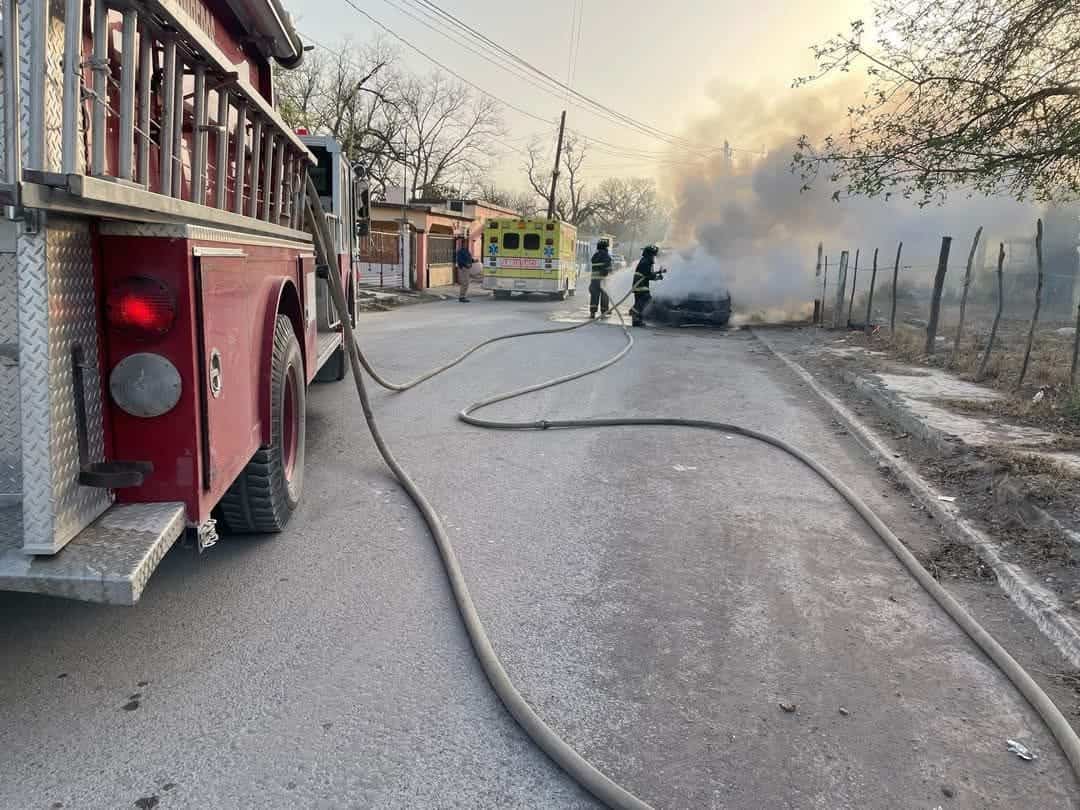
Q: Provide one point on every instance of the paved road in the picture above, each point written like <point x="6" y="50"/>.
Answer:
<point x="656" y="594"/>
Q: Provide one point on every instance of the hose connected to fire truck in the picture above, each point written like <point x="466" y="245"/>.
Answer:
<point x="584" y="773"/>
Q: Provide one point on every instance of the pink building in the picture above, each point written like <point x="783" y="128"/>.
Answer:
<point x="434" y="231"/>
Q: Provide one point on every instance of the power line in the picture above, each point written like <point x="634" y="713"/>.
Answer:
<point x="611" y="148"/>
<point x="433" y="12"/>
<point x="570" y="44"/>
<point x="553" y="87"/>
<point x="504" y="142"/>
<point x="634" y="123"/>
<point x="437" y="63"/>
<point x="577" y="40"/>
<point x="427" y="21"/>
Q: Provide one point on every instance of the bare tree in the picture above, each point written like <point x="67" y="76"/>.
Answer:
<point x="631" y="209"/>
<point x="525" y="203"/>
<point x="451" y="133"/>
<point x="976" y="93"/>
<point x="300" y="92"/>
<point x="573" y="202"/>
<point x="350" y="94"/>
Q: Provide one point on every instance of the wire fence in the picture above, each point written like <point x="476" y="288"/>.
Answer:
<point x="1011" y="320"/>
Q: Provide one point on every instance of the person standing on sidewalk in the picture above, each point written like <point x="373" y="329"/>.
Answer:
<point x="463" y="262"/>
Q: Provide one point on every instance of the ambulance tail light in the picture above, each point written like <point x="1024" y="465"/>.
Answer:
<point x="142" y="307"/>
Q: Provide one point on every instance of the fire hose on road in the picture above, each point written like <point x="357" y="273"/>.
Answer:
<point x="585" y="774"/>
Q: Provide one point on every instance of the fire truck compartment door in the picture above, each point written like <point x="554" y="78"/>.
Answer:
<point x="231" y="365"/>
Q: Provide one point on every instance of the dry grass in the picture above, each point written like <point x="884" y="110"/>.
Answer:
<point x="1061" y="407"/>
<point x="1051" y="355"/>
<point x="1043" y="479"/>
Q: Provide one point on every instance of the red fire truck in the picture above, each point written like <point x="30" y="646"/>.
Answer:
<point x="161" y="308"/>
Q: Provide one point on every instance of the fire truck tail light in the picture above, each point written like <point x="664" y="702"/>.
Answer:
<point x="145" y="385"/>
<point x="143" y="306"/>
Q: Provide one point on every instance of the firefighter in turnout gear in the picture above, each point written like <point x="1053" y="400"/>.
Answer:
<point x="601" y="269"/>
<point x="645" y="272"/>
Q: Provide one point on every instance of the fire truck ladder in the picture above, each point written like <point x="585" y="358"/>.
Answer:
<point x="241" y="162"/>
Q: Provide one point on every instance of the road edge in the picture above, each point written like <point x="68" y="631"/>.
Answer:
<point x="916" y="426"/>
<point x="1043" y="608"/>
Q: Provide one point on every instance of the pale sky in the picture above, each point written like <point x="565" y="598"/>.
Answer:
<point x="648" y="60"/>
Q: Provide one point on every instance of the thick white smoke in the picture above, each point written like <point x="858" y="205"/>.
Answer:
<point x="741" y="222"/>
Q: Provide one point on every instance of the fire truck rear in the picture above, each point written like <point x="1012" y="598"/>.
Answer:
<point x="161" y="308"/>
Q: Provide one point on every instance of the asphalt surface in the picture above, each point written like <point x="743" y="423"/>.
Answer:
<point x="656" y="593"/>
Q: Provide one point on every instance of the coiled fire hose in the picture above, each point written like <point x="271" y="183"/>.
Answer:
<point x="577" y="767"/>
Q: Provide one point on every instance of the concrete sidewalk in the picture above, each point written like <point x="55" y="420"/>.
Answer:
<point x="452" y="291"/>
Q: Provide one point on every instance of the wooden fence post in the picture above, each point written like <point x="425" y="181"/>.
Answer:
<point x="963" y="298"/>
<point x="817" y="273"/>
<point x="1076" y="351"/>
<point x="1038" y="303"/>
<point x="824" y="290"/>
<point x="854" y="283"/>
<point x="997" y="317"/>
<point x="841" y="288"/>
<point x="870" y="299"/>
<point x="895" y="282"/>
<point x="935" y="301"/>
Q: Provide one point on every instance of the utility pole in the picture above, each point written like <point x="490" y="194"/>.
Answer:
<point x="555" y="171"/>
<point x="405" y="177"/>
<point x="406" y="232"/>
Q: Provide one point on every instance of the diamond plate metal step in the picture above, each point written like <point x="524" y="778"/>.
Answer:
<point x="327" y="343"/>
<point x="109" y="561"/>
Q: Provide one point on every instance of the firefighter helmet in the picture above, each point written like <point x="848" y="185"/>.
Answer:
<point x="603" y="244"/>
<point x="650" y="250"/>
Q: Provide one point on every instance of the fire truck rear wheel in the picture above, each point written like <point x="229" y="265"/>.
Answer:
<point x="267" y="492"/>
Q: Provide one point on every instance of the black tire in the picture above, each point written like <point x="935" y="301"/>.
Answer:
<point x="265" y="495"/>
<point x="502" y="295"/>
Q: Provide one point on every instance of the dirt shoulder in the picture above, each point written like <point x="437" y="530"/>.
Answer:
<point x="1006" y="469"/>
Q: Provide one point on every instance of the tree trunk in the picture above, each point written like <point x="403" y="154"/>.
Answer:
<point x="997" y="317"/>
<point x="1038" y="304"/>
<point x="963" y="298"/>
<point x="935" y="302"/>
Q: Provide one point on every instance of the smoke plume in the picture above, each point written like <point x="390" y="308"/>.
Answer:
<point x="741" y="222"/>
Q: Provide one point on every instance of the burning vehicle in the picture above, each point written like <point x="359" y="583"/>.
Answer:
<point x="695" y="307"/>
<point x="690" y="295"/>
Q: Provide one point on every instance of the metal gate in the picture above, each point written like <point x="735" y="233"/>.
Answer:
<point x="379" y="261"/>
<point x="440" y="249"/>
